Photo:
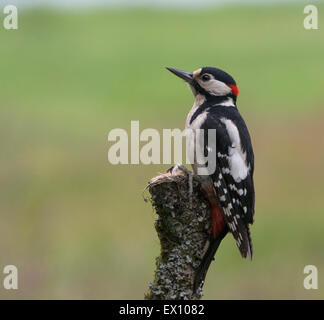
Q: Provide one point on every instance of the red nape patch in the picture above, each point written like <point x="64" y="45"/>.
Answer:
<point x="234" y="88"/>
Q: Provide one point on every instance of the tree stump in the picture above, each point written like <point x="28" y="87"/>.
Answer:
<point x="183" y="227"/>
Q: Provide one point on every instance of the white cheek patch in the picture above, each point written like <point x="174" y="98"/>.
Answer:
<point x="237" y="158"/>
<point x="215" y="87"/>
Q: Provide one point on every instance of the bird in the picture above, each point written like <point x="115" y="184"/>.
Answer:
<point x="229" y="188"/>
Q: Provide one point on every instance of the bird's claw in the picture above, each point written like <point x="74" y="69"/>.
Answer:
<point x="170" y="170"/>
<point x="181" y="167"/>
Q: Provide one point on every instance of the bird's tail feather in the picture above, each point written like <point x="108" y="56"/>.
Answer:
<point x="201" y="271"/>
<point x="250" y="247"/>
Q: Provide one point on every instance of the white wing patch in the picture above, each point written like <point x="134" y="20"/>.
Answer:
<point x="237" y="158"/>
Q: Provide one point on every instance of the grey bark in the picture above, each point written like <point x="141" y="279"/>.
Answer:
<point x="183" y="227"/>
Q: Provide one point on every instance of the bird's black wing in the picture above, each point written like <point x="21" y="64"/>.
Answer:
<point x="235" y="197"/>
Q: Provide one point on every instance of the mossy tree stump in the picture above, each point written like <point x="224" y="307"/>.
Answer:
<point x="182" y="226"/>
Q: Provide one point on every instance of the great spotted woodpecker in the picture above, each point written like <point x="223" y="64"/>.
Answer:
<point x="230" y="188"/>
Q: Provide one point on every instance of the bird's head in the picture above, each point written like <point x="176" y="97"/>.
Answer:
<point x="209" y="82"/>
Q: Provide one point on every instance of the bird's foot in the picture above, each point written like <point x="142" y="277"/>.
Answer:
<point x="184" y="169"/>
<point x="180" y="167"/>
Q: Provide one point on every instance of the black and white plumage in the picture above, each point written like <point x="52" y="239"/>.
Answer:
<point x="233" y="178"/>
<point x="230" y="187"/>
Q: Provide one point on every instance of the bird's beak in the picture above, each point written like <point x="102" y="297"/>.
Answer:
<point x="185" y="75"/>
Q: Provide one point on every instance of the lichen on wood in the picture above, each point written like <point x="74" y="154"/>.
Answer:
<point x="182" y="226"/>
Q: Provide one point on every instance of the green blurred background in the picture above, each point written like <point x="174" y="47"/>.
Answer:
<point x="77" y="226"/>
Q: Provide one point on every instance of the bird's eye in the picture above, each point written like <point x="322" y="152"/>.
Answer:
<point x="205" y="77"/>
